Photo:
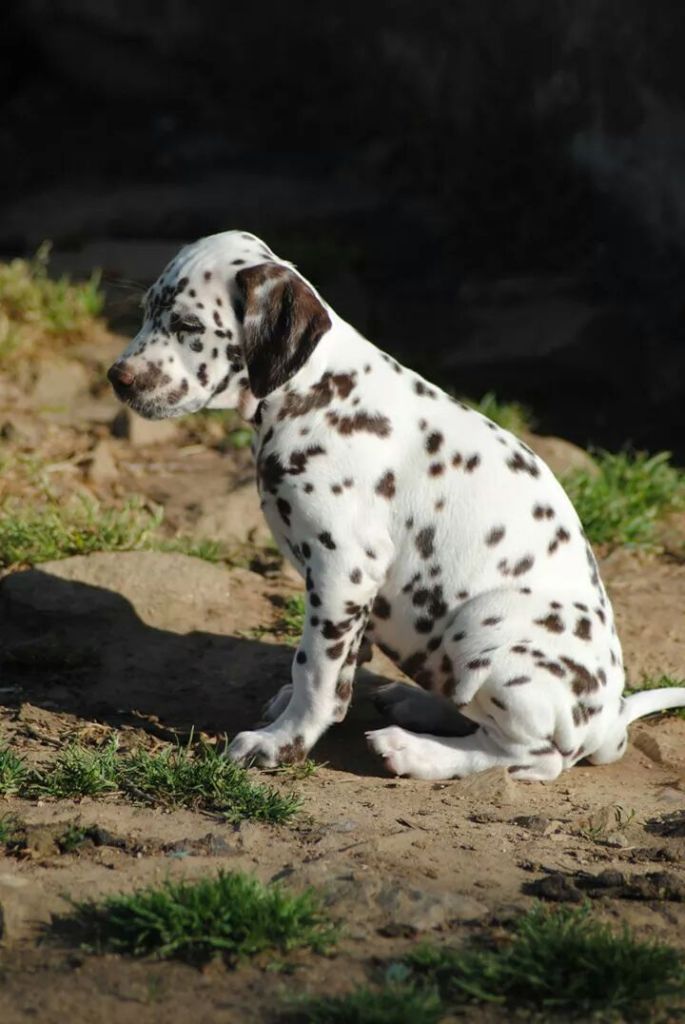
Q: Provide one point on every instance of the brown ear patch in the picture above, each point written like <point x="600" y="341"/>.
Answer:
<point x="282" y="324"/>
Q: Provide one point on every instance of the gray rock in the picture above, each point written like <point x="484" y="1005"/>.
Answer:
<point x="169" y="591"/>
<point x="235" y="518"/>
<point x="413" y="910"/>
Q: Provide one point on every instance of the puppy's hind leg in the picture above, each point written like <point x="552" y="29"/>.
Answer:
<point x="445" y="757"/>
<point x="420" y="711"/>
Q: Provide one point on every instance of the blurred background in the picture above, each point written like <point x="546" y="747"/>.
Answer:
<point x="495" y="193"/>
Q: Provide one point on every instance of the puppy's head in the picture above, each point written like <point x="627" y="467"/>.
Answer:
<point x="225" y="324"/>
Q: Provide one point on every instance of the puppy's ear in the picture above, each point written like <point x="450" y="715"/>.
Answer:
<point x="283" y="321"/>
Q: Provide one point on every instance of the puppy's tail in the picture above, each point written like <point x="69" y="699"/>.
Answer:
<point x="648" y="701"/>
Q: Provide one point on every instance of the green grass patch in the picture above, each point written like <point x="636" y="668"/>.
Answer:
<point x="561" y="961"/>
<point x="33" y="304"/>
<point x="232" y="916"/>
<point x="10" y="830"/>
<point x="208" y="550"/>
<point x="291" y="622"/>
<point x="204" y="778"/>
<point x="625" y="501"/>
<point x="77" y="771"/>
<point x="30" y="535"/>
<point x="13" y="772"/>
<point x="177" y="776"/>
<point x="551" y="964"/>
<point x="394" y="1004"/>
<point x="510" y="415"/>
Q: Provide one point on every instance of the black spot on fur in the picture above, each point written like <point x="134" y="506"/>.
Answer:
<point x="583" y="629"/>
<point x="424" y="541"/>
<point x="386" y="485"/>
<point x="495" y="535"/>
<point x="433" y="442"/>
<point x="552" y="622"/>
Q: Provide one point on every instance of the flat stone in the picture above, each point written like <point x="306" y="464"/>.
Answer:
<point x="532" y="823"/>
<point x="413" y="910"/>
<point x="169" y="591"/>
<point x="494" y="786"/>
<point x="235" y="518"/>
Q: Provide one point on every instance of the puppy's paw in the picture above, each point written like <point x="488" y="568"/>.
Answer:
<point x="254" y="747"/>
<point x="392" y="745"/>
<point x="266" y="749"/>
<point x="405" y="753"/>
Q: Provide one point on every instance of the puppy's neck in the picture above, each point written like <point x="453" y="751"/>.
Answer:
<point x="321" y="381"/>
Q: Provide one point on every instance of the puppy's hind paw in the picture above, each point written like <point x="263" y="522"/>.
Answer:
<point x="391" y="745"/>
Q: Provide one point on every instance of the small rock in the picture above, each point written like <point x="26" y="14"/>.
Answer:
<point x="494" y="786"/>
<point x="139" y="431"/>
<point x="532" y="823"/>
<point x="556" y="888"/>
<point x="657" y="885"/>
<point x="103" y="468"/>
<point x="609" y="879"/>
<point x="234" y="518"/>
<point x="342" y="826"/>
<point x="414" y="911"/>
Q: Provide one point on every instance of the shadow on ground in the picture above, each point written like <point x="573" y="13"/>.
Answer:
<point x="110" y="665"/>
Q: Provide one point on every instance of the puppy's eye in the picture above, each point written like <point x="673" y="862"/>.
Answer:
<point x="187" y="323"/>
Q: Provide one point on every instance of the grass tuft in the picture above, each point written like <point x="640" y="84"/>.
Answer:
<point x="32" y="304"/>
<point x="291" y="622"/>
<point x="510" y="415"/>
<point x="395" y="1004"/>
<point x="10" y="830"/>
<point x="232" y="916"/>
<point x="563" y="961"/>
<point x="77" y="771"/>
<point x="554" y="964"/>
<point x="30" y="535"/>
<point x="13" y="772"/>
<point x="199" y="778"/>
<point x="204" y="779"/>
<point x="624" y="502"/>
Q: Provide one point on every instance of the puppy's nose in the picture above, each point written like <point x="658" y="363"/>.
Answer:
<point x="120" y="376"/>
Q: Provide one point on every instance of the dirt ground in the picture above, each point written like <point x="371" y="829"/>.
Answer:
<point x="152" y="645"/>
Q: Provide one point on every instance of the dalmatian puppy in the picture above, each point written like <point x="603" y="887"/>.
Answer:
<point x="415" y="522"/>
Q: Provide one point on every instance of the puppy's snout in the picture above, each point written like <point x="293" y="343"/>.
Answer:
<point x="120" y="376"/>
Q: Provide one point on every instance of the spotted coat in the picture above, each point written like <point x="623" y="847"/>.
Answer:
<point x="416" y="523"/>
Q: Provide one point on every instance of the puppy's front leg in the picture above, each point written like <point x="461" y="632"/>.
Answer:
<point x="338" y="602"/>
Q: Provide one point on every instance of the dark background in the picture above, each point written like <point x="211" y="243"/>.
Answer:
<point x="493" y="190"/>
